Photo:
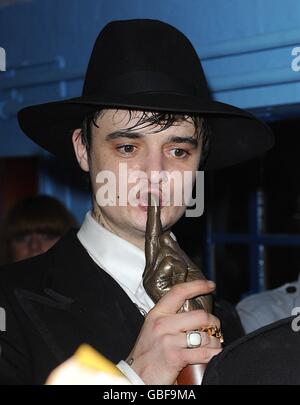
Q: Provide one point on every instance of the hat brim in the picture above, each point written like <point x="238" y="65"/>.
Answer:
<point x="237" y="135"/>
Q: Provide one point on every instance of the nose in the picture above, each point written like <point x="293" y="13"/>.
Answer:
<point x="35" y="244"/>
<point x="154" y="167"/>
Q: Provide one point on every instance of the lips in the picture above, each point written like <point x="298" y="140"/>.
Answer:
<point x="143" y="198"/>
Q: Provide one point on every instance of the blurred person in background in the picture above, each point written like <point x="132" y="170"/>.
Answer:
<point x="264" y="308"/>
<point x="259" y="310"/>
<point x="32" y="226"/>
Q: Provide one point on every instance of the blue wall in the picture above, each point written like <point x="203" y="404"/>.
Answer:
<point x="245" y="46"/>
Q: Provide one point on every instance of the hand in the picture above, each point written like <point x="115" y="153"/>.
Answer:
<point x="167" y="264"/>
<point x="160" y="352"/>
<point x="172" y="280"/>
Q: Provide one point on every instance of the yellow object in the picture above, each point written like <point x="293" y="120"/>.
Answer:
<point x="90" y="358"/>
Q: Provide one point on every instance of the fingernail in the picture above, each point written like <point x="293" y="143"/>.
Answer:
<point x="211" y="284"/>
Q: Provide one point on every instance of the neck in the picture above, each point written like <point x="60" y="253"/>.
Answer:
<point x="102" y="220"/>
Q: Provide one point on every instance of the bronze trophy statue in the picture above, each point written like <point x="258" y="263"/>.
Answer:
<point x="167" y="265"/>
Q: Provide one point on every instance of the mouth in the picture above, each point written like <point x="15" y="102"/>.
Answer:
<point x="143" y="200"/>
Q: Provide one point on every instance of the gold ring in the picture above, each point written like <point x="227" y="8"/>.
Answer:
<point x="214" y="331"/>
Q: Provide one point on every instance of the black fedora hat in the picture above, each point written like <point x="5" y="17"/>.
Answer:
<point x="147" y="65"/>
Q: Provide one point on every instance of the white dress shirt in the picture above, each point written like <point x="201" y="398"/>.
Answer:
<point x="124" y="262"/>
<point x="261" y="309"/>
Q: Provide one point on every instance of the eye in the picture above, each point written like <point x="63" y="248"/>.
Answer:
<point x="126" y="149"/>
<point x="179" y="153"/>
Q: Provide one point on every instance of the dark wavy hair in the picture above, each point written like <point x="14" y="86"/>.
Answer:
<point x="163" y="120"/>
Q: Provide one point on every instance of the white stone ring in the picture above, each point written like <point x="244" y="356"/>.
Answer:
<point x="193" y="339"/>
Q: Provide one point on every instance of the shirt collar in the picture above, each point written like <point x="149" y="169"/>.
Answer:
<point x="121" y="259"/>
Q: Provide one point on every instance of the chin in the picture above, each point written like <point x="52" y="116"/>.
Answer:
<point x="138" y="217"/>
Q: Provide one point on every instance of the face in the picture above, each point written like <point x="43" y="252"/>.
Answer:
<point x="149" y="157"/>
<point x="31" y="244"/>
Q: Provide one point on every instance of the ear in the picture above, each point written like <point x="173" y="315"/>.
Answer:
<point x="80" y="150"/>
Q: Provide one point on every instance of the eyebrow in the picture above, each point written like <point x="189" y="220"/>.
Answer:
<point x="138" y="135"/>
<point x="184" y="139"/>
<point x="123" y="134"/>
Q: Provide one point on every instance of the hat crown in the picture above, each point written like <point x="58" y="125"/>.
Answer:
<point x="147" y="65"/>
<point x="144" y="56"/>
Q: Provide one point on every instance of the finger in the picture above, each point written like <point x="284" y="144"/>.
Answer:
<point x="171" y="271"/>
<point x="153" y="228"/>
<point x="167" y="240"/>
<point x="195" y="273"/>
<point x="201" y="355"/>
<point x="165" y="251"/>
<point x="173" y="300"/>
<point x="186" y="321"/>
<point x="209" y="342"/>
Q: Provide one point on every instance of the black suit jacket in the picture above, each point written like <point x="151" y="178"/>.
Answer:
<point x="58" y="300"/>
<point x="267" y="356"/>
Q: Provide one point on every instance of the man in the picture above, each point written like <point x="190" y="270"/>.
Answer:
<point x="264" y="308"/>
<point x="145" y="104"/>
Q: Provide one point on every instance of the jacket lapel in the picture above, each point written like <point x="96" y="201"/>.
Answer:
<point x="80" y="303"/>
